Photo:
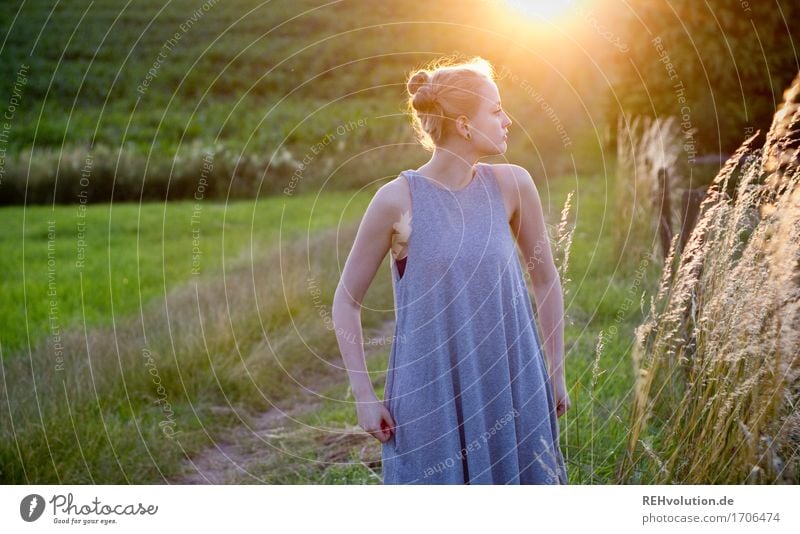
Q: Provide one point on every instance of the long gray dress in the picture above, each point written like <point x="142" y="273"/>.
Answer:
<point x="467" y="384"/>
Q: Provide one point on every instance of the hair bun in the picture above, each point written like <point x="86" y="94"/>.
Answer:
<point x="424" y="96"/>
<point x="417" y="81"/>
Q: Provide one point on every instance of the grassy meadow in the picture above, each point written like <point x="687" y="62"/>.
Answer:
<point x="139" y="390"/>
<point x="102" y="261"/>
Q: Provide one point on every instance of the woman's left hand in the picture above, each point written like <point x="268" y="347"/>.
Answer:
<point x="563" y="402"/>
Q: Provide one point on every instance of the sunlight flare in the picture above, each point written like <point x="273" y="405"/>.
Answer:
<point x="542" y="10"/>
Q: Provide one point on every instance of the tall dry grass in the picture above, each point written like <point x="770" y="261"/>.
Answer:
<point x="717" y="360"/>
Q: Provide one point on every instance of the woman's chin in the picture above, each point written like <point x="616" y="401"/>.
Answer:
<point x="502" y="147"/>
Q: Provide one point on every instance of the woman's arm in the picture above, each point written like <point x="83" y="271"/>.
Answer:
<point x="373" y="240"/>
<point x="530" y="230"/>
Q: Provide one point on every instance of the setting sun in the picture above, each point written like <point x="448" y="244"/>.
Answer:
<point x="542" y="10"/>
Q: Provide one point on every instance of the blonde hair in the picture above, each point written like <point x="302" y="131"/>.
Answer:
<point x="443" y="90"/>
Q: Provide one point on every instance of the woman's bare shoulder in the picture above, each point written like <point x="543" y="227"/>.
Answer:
<point x="512" y="180"/>
<point x="396" y="194"/>
<point x="509" y="172"/>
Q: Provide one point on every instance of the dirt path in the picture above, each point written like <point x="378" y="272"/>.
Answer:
<point x="279" y="448"/>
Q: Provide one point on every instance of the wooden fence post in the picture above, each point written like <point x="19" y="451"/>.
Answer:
<point x="664" y="212"/>
<point x="690" y="207"/>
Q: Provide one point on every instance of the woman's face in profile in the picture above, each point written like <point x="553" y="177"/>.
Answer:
<point x="490" y="124"/>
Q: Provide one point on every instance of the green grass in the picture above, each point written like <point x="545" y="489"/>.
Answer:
<point x="221" y="347"/>
<point x="603" y="293"/>
<point x="135" y="253"/>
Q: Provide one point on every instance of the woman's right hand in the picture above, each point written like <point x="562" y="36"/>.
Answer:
<point x="375" y="419"/>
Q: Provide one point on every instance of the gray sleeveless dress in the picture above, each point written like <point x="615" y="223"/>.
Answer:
<point x="467" y="384"/>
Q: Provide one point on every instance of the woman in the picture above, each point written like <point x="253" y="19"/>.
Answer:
<point x="468" y="397"/>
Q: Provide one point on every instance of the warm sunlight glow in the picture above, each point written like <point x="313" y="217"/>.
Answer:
<point x="542" y="10"/>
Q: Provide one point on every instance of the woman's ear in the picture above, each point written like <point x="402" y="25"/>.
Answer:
<point x="462" y="126"/>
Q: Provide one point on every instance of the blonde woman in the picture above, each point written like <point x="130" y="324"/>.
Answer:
<point x="469" y="398"/>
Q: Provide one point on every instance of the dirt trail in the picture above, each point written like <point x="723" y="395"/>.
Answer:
<point x="271" y="449"/>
